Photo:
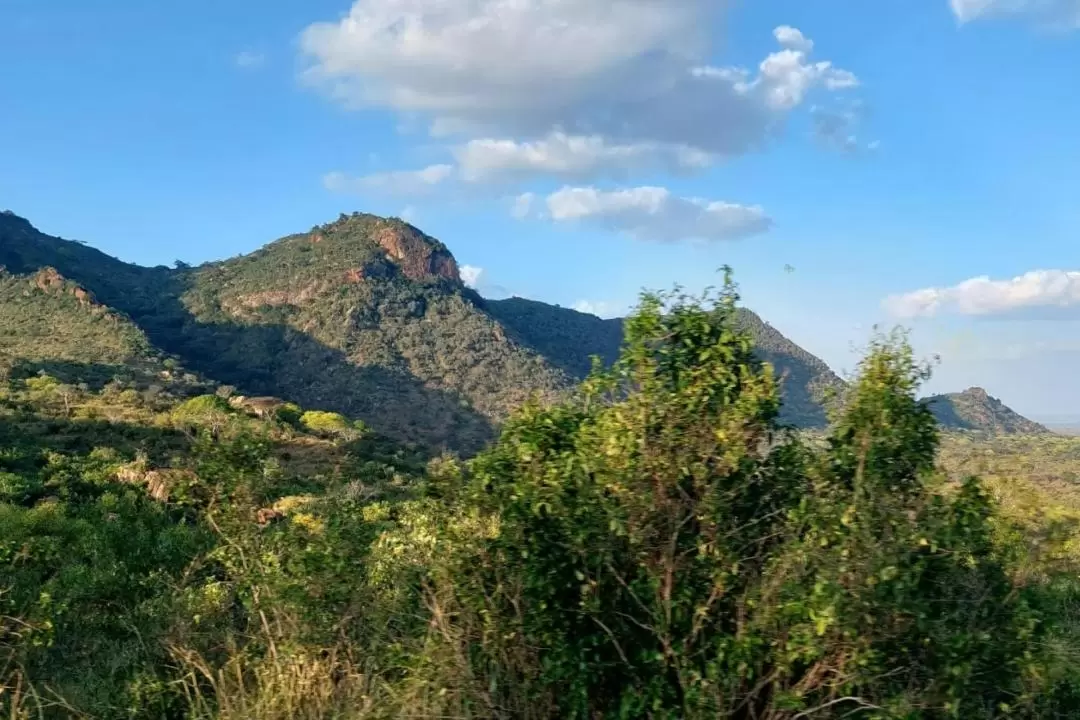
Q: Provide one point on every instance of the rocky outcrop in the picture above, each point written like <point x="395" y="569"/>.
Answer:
<point x="262" y="407"/>
<point x="48" y="279"/>
<point x="159" y="483"/>
<point x="276" y="298"/>
<point x="418" y="256"/>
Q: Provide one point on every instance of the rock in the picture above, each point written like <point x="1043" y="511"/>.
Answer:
<point x="419" y="256"/>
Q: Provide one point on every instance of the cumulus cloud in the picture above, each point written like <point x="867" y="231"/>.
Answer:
<point x="1060" y="13"/>
<point x="398" y="182"/>
<point x="471" y="275"/>
<point x="983" y="296"/>
<point x="653" y="213"/>
<point x="628" y="71"/>
<point x="571" y="157"/>
<point x="793" y="38"/>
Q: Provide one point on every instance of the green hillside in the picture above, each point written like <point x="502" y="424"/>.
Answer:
<point x="365" y="316"/>
<point x="569" y="339"/>
<point x="975" y="409"/>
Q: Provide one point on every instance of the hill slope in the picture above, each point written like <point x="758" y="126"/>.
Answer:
<point x="569" y="339"/>
<point x="975" y="409"/>
<point x="365" y="316"/>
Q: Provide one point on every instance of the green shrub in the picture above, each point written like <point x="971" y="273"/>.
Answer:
<point x="325" y="423"/>
<point x="664" y="549"/>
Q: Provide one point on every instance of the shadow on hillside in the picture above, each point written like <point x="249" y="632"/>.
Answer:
<point x="279" y="360"/>
<point x="95" y="376"/>
<point x="80" y="436"/>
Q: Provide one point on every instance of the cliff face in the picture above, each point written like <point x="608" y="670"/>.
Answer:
<point x="418" y="256"/>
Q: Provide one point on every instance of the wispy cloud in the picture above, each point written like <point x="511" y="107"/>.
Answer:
<point x="398" y="182"/>
<point x="571" y="157"/>
<point x="249" y="60"/>
<point x="653" y="213"/>
<point x="1062" y="14"/>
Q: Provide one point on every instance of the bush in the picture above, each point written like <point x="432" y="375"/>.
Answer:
<point x="327" y="423"/>
<point x="674" y="553"/>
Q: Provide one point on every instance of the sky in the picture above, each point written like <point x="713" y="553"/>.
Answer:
<point x="858" y="164"/>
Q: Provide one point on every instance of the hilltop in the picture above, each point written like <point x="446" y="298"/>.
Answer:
<point x="975" y="409"/>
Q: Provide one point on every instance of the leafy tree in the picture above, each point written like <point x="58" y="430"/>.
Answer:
<point x="675" y="553"/>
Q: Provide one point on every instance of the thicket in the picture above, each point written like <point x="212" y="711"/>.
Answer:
<point x="658" y="546"/>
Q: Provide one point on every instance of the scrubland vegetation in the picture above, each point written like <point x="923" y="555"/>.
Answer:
<point x="657" y="545"/>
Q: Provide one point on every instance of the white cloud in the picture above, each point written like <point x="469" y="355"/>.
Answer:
<point x="653" y="213"/>
<point x="571" y="157"/>
<point x="249" y="60"/>
<point x="398" y="182"/>
<point x="600" y="308"/>
<point x="983" y="296"/>
<point x="793" y="38"/>
<point x="628" y="71"/>
<point x="471" y="275"/>
<point x="1058" y="13"/>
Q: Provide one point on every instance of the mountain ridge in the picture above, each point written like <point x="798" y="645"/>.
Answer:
<point x="368" y="316"/>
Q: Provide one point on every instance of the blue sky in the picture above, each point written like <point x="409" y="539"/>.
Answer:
<point x="579" y="150"/>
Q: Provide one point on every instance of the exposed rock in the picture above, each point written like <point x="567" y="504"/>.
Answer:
<point x="354" y="275"/>
<point x="276" y="298"/>
<point x="262" y="407"/>
<point x="82" y="295"/>
<point x="159" y="483"/>
<point x="265" y="516"/>
<point x="419" y="256"/>
<point x="48" y="278"/>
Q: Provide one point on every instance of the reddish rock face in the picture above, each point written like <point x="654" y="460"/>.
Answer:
<point x="416" y="255"/>
<point x="82" y="296"/>
<point x="48" y="279"/>
<point x="354" y="275"/>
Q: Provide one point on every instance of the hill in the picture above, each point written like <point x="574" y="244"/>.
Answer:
<point x="975" y="409"/>
<point x="365" y="316"/>
<point x="569" y="339"/>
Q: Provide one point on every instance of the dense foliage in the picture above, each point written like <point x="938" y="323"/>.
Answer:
<point x="658" y="545"/>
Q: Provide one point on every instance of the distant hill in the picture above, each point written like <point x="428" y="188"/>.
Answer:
<point x="807" y="380"/>
<point x="975" y="409"/>
<point x="569" y="339"/>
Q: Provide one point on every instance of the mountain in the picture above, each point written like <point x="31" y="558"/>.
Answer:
<point x="975" y="409"/>
<point x="570" y="338"/>
<point x="365" y="316"/>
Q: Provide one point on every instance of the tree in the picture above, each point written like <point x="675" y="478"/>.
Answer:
<point x="675" y="552"/>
